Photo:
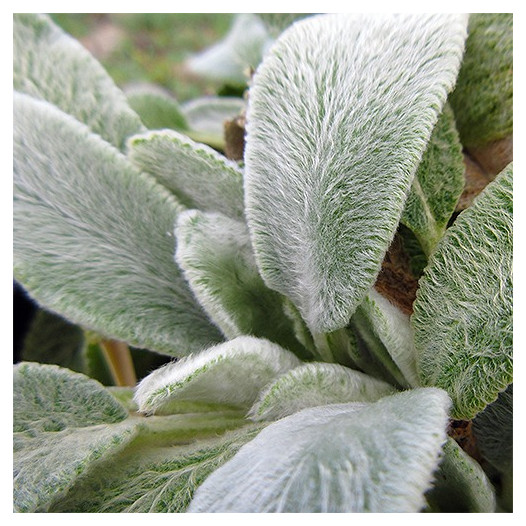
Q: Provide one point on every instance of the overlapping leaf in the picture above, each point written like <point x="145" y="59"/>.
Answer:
<point x="199" y="177"/>
<point x="216" y="256"/>
<point x="316" y="384"/>
<point x="437" y="185"/>
<point x="339" y="115"/>
<point x="50" y="65"/>
<point x="483" y="97"/>
<point x="232" y="373"/>
<point x="462" y="317"/>
<point x="93" y="237"/>
<point x="376" y="457"/>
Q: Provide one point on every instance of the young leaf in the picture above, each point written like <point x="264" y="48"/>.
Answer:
<point x="231" y="373"/>
<point x="316" y="384"/>
<point x="437" y="185"/>
<point x="93" y="237"/>
<point x="241" y="49"/>
<point x="59" y="431"/>
<point x="462" y="317"/>
<point x="483" y="97"/>
<point x="460" y="485"/>
<point x="357" y="457"/>
<point x="156" y="109"/>
<point x="391" y="327"/>
<point x="199" y="177"/>
<point x="339" y="115"/>
<point x="50" y="65"/>
<point x="216" y="256"/>
<point x="493" y="431"/>
<point x="152" y="479"/>
<point x="207" y="115"/>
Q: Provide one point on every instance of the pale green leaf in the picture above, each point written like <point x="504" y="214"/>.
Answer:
<point x="156" y="109"/>
<point x="438" y="184"/>
<point x="207" y="115"/>
<point x="338" y="118"/>
<point x="276" y="23"/>
<point x="463" y="315"/>
<point x="392" y="328"/>
<point x="52" y="339"/>
<point x="359" y="457"/>
<point x="493" y="431"/>
<point x="230" y="59"/>
<point x="232" y="373"/>
<point x="199" y="176"/>
<point x="483" y="97"/>
<point x="460" y="484"/>
<point x="152" y="479"/>
<point x="62" y="425"/>
<point x="216" y="257"/>
<point x="48" y="64"/>
<point x="316" y="384"/>
<point x="93" y="237"/>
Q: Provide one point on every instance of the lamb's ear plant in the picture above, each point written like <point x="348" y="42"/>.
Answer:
<point x="333" y="321"/>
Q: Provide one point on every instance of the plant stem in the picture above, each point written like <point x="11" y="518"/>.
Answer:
<point x="119" y="359"/>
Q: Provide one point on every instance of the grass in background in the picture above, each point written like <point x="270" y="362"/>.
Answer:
<point x="154" y="46"/>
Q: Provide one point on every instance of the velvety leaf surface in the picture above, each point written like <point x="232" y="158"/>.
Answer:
<point x="216" y="257"/>
<point x="199" y="176"/>
<point x="153" y="479"/>
<point x="93" y="237"/>
<point x="316" y="384"/>
<point x="493" y="430"/>
<point x="438" y="184"/>
<point x="339" y="115"/>
<point x="463" y="314"/>
<point x="339" y="458"/>
<point x="231" y="373"/>
<point x="48" y="64"/>
<point x="59" y="431"/>
<point x="241" y="49"/>
<point x="460" y="485"/>
<point x="483" y="97"/>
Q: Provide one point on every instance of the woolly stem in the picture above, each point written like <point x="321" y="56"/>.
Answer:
<point x="119" y="359"/>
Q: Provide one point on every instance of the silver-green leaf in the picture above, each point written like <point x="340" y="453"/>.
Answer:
<point x="359" y="457"/>
<point x="463" y="312"/>
<point x="93" y="237"/>
<point x="339" y="114"/>
<point x="232" y="373"/>
<point x="50" y="65"/>
<point x="199" y="176"/>
<point x="316" y="384"/>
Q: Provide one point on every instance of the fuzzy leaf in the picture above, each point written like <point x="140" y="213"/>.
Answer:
<point x="216" y="256"/>
<point x="460" y="485"/>
<point x="156" y="109"/>
<point x="339" y="458"/>
<point x="207" y="115"/>
<point x="316" y="384"/>
<point x="483" y="97"/>
<point x="391" y="327"/>
<point x="241" y="49"/>
<point x="339" y="115"/>
<point x="153" y="479"/>
<point x="59" y="430"/>
<point x="462" y="317"/>
<point x="493" y="430"/>
<point x="199" y="177"/>
<point x="232" y="373"/>
<point x="276" y="23"/>
<point x="437" y="185"/>
<point x="52" y="339"/>
<point x="51" y="65"/>
<point x="93" y="237"/>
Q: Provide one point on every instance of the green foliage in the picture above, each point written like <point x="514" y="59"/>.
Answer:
<point x="283" y="284"/>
